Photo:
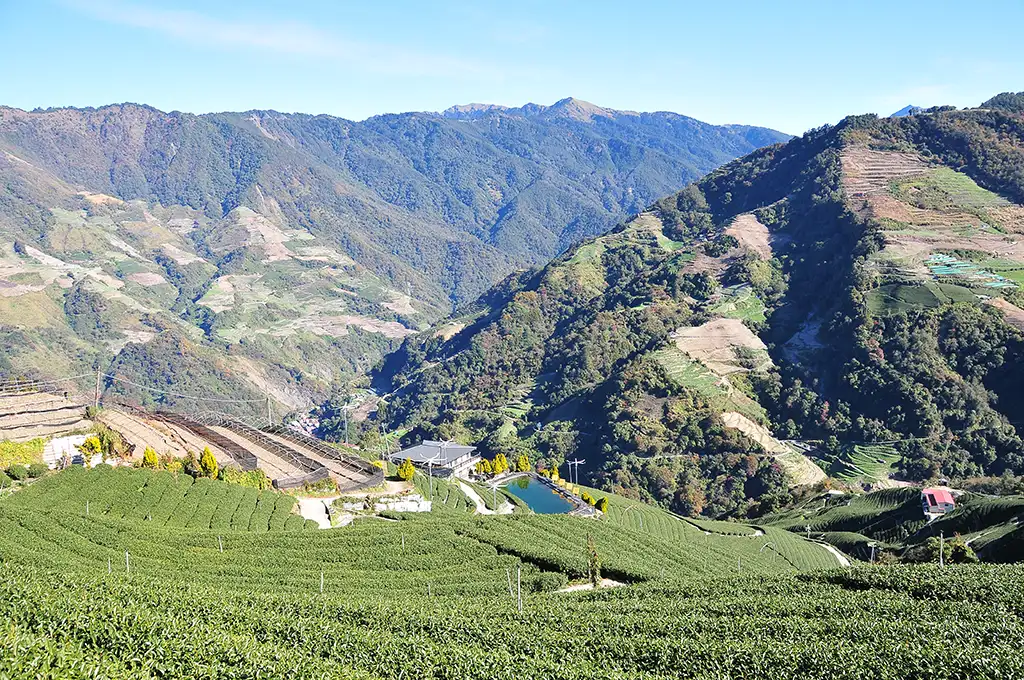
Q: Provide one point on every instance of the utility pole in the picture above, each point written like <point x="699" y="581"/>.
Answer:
<point x="577" y="464"/>
<point x="808" y="527"/>
<point x="270" y="417"/>
<point x="96" y="398"/>
<point x="519" y="587"/>
<point x="942" y="542"/>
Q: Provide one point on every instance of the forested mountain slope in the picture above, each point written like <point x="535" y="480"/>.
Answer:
<point x="858" y="286"/>
<point x="261" y="251"/>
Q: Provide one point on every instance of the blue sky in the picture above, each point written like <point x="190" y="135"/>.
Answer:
<point x="791" y="65"/>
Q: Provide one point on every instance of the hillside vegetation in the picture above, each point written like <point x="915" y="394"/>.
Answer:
<point x="893" y="521"/>
<point x="276" y="253"/>
<point x="438" y="597"/>
<point x="853" y="288"/>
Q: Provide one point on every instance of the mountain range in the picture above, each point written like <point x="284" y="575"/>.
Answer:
<point x="847" y="304"/>
<point x="267" y="253"/>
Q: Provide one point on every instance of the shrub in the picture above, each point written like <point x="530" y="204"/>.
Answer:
<point x="208" y="464"/>
<point x="13" y="453"/>
<point x="587" y="498"/>
<point x="37" y="470"/>
<point x="18" y="472"/>
<point x="149" y="459"/>
<point x="602" y="505"/>
<point x="253" y="479"/>
<point x="5" y="481"/>
<point x="550" y="581"/>
<point x="91" y="447"/>
<point x="593" y="563"/>
<point x="406" y="470"/>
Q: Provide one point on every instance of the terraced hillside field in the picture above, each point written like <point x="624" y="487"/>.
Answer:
<point x="893" y="520"/>
<point x="84" y="593"/>
<point x="158" y="500"/>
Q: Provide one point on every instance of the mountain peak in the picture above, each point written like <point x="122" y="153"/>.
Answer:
<point x="570" y="107"/>
<point x="473" y="110"/>
<point x="909" y="110"/>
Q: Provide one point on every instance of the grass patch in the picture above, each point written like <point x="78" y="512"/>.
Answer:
<point x="904" y="297"/>
<point x="943" y="188"/>
<point x="741" y="303"/>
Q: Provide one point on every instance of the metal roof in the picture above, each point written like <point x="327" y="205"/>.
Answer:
<point x="935" y="497"/>
<point x="441" y="453"/>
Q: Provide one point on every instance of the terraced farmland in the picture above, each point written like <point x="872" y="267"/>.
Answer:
<point x="159" y="499"/>
<point x="353" y="602"/>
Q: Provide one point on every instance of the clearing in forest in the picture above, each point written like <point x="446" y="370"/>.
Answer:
<point x="723" y="345"/>
<point x="752" y="235"/>
<point x="800" y="469"/>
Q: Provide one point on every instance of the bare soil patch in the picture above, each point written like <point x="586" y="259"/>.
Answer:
<point x="800" y="469"/>
<point x="715" y="344"/>
<point x="1014" y="314"/>
<point x="146" y="279"/>
<point x="752" y="235"/>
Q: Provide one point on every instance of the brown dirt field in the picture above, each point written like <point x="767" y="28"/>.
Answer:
<point x="146" y="279"/>
<point x="1010" y="218"/>
<point x="400" y="303"/>
<point x="263" y="232"/>
<point x="448" y="331"/>
<point x="714" y="344"/>
<point x="703" y="263"/>
<point x="100" y="199"/>
<point x="338" y="325"/>
<point x="178" y="255"/>
<point x="752" y="235"/>
<point x="918" y="246"/>
<point x="883" y="206"/>
<point x="1014" y="314"/>
<point x="866" y="171"/>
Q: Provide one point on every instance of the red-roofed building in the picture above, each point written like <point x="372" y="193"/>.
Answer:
<point x="937" y="501"/>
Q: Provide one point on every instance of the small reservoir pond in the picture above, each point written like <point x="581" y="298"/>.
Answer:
<point x="538" y="496"/>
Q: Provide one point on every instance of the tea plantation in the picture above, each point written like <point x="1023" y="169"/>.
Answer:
<point x="434" y="596"/>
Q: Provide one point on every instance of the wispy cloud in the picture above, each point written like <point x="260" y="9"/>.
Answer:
<point x="288" y="38"/>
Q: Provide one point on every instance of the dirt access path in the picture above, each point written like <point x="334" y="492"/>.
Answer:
<point x="316" y="509"/>
<point x="844" y="561"/>
<point x="481" y="507"/>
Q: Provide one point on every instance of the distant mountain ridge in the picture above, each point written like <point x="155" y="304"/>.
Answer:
<point x="291" y="250"/>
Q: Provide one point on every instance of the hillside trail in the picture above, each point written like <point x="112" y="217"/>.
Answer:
<point x="481" y="507"/>
<point x="316" y="510"/>
<point x="844" y="561"/>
